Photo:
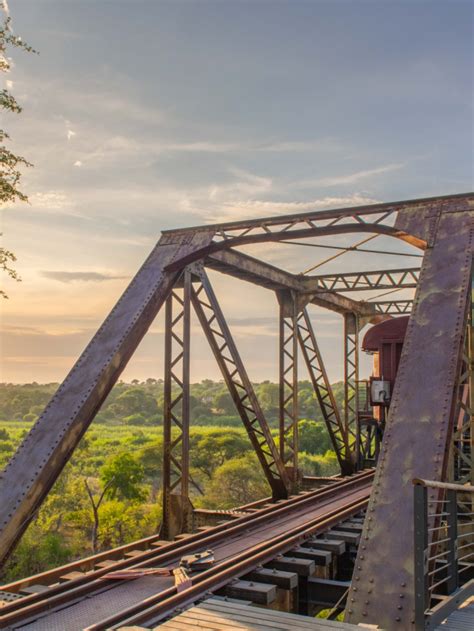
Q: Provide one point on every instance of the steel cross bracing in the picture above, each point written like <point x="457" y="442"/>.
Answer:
<point x="230" y="363"/>
<point x="393" y="307"/>
<point x="177" y="511"/>
<point x="323" y="390"/>
<point x="359" y="281"/>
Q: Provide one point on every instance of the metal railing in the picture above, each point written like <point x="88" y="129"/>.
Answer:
<point x="444" y="549"/>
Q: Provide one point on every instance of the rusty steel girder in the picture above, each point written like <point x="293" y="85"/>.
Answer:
<point x="420" y="423"/>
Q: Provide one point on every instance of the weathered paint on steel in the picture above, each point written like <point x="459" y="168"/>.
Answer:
<point x="33" y="469"/>
<point x="418" y="430"/>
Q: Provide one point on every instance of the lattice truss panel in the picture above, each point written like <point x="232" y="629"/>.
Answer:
<point x="176" y="399"/>
<point x="323" y="390"/>
<point x="351" y="377"/>
<point x="240" y="387"/>
<point x="288" y="383"/>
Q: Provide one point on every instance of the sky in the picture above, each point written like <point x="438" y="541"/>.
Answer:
<point x="144" y="115"/>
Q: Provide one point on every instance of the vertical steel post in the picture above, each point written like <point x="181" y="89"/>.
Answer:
<point x="452" y="525"/>
<point x="421" y="555"/>
<point x="470" y="343"/>
<point x="351" y="378"/>
<point x="177" y="509"/>
<point x="288" y="381"/>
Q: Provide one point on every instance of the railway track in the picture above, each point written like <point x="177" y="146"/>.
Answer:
<point x="86" y="600"/>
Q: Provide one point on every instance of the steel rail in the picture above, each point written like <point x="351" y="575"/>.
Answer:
<point x="59" y="594"/>
<point x="155" y="608"/>
<point x="89" y="562"/>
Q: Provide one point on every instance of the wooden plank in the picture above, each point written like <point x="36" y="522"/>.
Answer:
<point x="303" y="567"/>
<point x="320" y="557"/>
<point x="350" y="527"/>
<point x="256" y="618"/>
<point x="260" y="593"/>
<point x="70" y="576"/>
<point x="296" y="621"/>
<point x="352" y="538"/>
<point x="285" y="580"/>
<point x="326" y="592"/>
<point x="224" y="620"/>
<point x="333" y="545"/>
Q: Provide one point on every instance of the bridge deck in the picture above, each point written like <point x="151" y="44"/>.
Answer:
<point x="216" y="615"/>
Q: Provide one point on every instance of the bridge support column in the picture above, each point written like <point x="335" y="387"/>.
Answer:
<point x="288" y="382"/>
<point x="177" y="508"/>
<point x="351" y="378"/>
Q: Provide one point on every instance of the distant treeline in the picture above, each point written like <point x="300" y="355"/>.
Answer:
<point x="141" y="403"/>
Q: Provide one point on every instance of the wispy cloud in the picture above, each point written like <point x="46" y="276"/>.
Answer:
<point x="229" y="211"/>
<point x="71" y="277"/>
<point x="350" y="178"/>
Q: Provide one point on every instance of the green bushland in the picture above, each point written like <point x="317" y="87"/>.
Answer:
<point x="109" y="492"/>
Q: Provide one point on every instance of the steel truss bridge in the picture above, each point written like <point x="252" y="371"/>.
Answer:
<point x="362" y="521"/>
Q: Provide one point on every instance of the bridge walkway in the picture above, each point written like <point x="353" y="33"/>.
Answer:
<point x="460" y="620"/>
<point x="216" y="614"/>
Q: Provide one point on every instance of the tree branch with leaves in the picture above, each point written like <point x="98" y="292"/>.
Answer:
<point x="10" y="163"/>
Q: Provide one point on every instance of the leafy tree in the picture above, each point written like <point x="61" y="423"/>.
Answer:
<point x="10" y="163"/>
<point x="313" y="437"/>
<point x="215" y="448"/>
<point x="236" y="482"/>
<point x="122" y="477"/>
<point x="134" y="401"/>
<point x="224" y="402"/>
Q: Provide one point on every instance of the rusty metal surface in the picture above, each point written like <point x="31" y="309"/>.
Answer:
<point x="42" y="455"/>
<point x="418" y="429"/>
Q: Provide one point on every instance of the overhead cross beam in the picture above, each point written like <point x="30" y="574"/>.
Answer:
<point x="360" y="281"/>
<point x="259" y="272"/>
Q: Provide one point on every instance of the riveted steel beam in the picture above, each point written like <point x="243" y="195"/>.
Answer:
<point x="48" y="446"/>
<point x="419" y="427"/>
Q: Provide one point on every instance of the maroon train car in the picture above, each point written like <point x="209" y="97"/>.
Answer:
<point x="385" y="342"/>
